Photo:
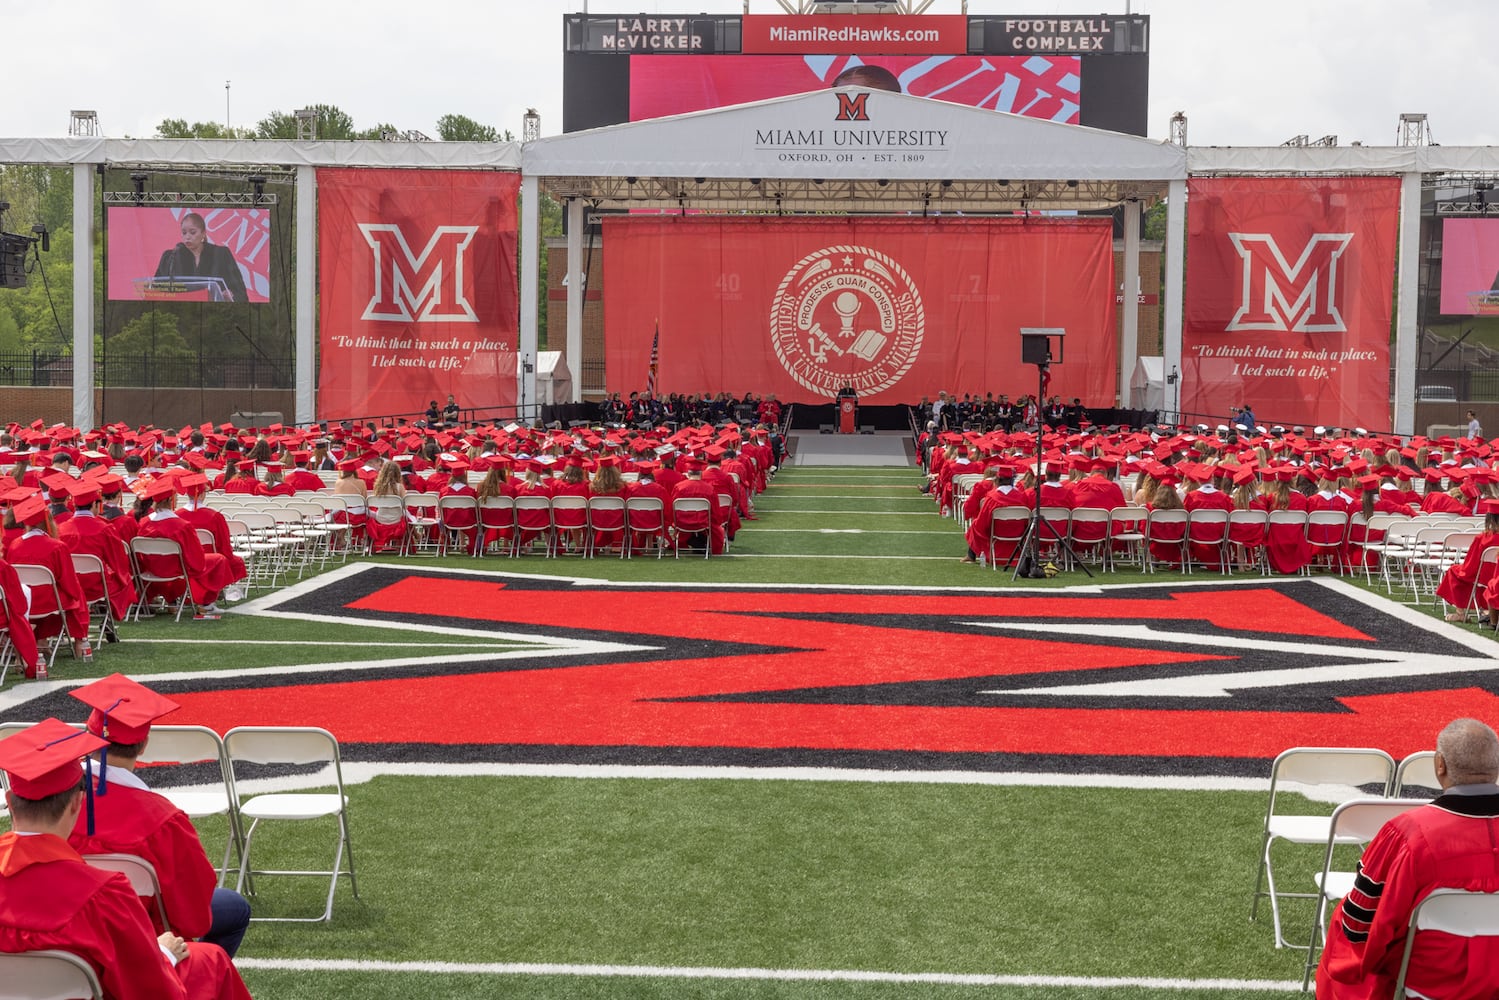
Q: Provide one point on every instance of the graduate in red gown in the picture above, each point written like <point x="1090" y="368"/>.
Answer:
<point x="129" y="818"/>
<point x="51" y="898"/>
<point x="86" y="532"/>
<point x="980" y="530"/>
<point x="208" y="572"/>
<point x="192" y="510"/>
<point x="1467" y="582"/>
<point x="38" y="546"/>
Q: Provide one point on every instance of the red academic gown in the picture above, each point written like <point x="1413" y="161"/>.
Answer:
<point x="303" y="481"/>
<point x="608" y="529"/>
<point x="721" y="482"/>
<point x="37" y="548"/>
<point x="50" y="898"/>
<point x="465" y="522"/>
<point x="385" y="534"/>
<point x="1094" y="492"/>
<point x="131" y="820"/>
<point x="90" y="535"/>
<point x="1285" y="544"/>
<point x="21" y="636"/>
<point x="207" y="572"/>
<point x="1206" y="498"/>
<point x="215" y="524"/>
<point x="1446" y="844"/>
<point x="980" y="529"/>
<point x="1460" y="581"/>
<point x="651" y="488"/>
<point x="702" y="488"/>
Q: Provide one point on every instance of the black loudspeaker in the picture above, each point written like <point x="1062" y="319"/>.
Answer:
<point x="1034" y="349"/>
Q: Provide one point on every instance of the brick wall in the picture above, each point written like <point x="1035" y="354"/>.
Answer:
<point x="162" y="407"/>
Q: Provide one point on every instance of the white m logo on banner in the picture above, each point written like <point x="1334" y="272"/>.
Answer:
<point x="419" y="288"/>
<point x="1277" y="295"/>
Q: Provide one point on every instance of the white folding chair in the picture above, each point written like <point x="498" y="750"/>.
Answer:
<point x="40" y="578"/>
<point x="141" y="875"/>
<point x="293" y="745"/>
<point x="89" y="567"/>
<point x="1327" y="766"/>
<point x="1451" y="911"/>
<point x="606" y="514"/>
<point x="1417" y="770"/>
<point x="645" y="516"/>
<point x="195" y="745"/>
<point x="163" y="553"/>
<point x="1127" y="530"/>
<point x="1327" y="533"/>
<point x="1353" y="822"/>
<point x="1008" y="525"/>
<point x="448" y="533"/>
<point x="47" y="975"/>
<point x="1253" y="556"/>
<point x="1175" y="534"/>
<point x="691" y="516"/>
<point x="1208" y="527"/>
<point x="496" y="514"/>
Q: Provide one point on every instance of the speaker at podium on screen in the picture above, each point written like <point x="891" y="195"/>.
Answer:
<point x="183" y="289"/>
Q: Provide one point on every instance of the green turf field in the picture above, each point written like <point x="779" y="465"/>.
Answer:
<point x="541" y="886"/>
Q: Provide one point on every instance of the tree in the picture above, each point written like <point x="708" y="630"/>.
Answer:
<point x="178" y="128"/>
<point x="153" y="334"/>
<point x="462" y="128"/>
<point x="332" y="123"/>
<point x="1154" y="227"/>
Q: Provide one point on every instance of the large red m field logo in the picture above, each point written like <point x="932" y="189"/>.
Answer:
<point x="1149" y="680"/>
<point x="1301" y="296"/>
<point x="431" y="286"/>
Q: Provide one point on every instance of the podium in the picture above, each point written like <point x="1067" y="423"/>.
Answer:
<point x="182" y="289"/>
<point x="848" y="413"/>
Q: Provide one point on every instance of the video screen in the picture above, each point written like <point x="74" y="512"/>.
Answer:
<point x="1035" y="86"/>
<point x="179" y="253"/>
<point x="1470" y="267"/>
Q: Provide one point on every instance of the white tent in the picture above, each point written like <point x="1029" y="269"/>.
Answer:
<point x="554" y="384"/>
<point x="1147" y="386"/>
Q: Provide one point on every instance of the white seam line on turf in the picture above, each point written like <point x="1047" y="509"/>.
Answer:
<point x="361" y="772"/>
<point x="304" y="642"/>
<point x="784" y="975"/>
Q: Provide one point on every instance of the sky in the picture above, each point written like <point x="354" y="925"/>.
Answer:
<point x="1244" y="74"/>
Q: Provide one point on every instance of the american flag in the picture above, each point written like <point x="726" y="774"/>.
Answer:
<point x="650" y="378"/>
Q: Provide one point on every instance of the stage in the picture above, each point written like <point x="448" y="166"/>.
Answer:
<point x="882" y="448"/>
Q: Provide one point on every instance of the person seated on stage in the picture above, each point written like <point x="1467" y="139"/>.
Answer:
<point x="52" y="899"/>
<point x="129" y="818"/>
<point x="208" y="573"/>
<point x="1465" y="583"/>
<point x="979" y="533"/>
<point x="37" y="545"/>
<point x="1446" y="844"/>
<point x="88" y="533"/>
<point x="433" y="415"/>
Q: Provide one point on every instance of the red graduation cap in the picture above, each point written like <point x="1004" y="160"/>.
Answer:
<point x="43" y="760"/>
<point x="123" y="709"/>
<point x="31" y="511"/>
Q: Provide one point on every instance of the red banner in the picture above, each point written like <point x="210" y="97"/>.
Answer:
<point x="898" y="308"/>
<point x="1288" y="299"/>
<point x="418" y="290"/>
<point x="930" y="34"/>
